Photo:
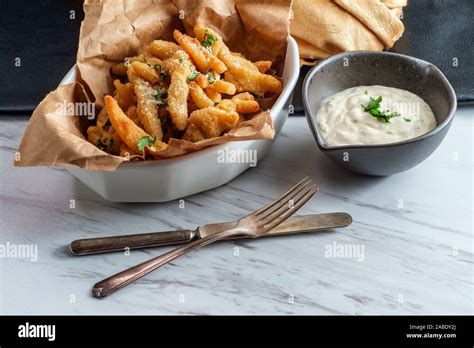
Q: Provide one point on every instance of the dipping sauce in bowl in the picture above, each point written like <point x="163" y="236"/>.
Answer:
<point x="368" y="139"/>
<point x="373" y="115"/>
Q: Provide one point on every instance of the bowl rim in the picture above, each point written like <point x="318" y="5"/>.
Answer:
<point x="292" y="50"/>
<point x="311" y="117"/>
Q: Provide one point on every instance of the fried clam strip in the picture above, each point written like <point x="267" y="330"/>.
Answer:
<point x="148" y="68"/>
<point x="211" y="122"/>
<point x="202" y="33"/>
<point x="178" y="67"/>
<point x="147" y="108"/>
<point x="245" y="63"/>
<point x="202" y="81"/>
<point x="226" y="105"/>
<point x="245" y="103"/>
<point x="127" y="130"/>
<point x="252" y="81"/>
<point x="263" y="65"/>
<point x="203" y="58"/>
<point x="199" y="96"/>
<point x="124" y="94"/>
<point x="246" y="78"/>
<point x="213" y="94"/>
<point x="131" y="73"/>
<point x="230" y="106"/>
<point x="224" y="87"/>
<point x="120" y="69"/>
<point x="194" y="50"/>
<point x="146" y="72"/>
<point x="162" y="49"/>
<point x="125" y="97"/>
<point x="241" y="72"/>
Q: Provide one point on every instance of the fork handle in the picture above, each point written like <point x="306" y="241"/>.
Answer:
<point x="132" y="241"/>
<point x="124" y="278"/>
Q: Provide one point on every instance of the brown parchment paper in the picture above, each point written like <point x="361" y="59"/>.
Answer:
<point x="326" y="27"/>
<point x="115" y="29"/>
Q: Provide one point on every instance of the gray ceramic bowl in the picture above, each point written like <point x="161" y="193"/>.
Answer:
<point x="358" y="68"/>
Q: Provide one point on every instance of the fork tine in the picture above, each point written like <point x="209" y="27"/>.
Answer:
<point x="284" y="215"/>
<point x="285" y="206"/>
<point x="285" y="201"/>
<point x="275" y="220"/>
<point x="271" y="204"/>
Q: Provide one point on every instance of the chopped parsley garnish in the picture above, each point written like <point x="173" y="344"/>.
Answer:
<point x="209" y="40"/>
<point x="210" y="77"/>
<point x="146" y="141"/>
<point x="181" y="59"/>
<point x="407" y="119"/>
<point x="366" y="92"/>
<point x="161" y="96"/>
<point x="373" y="108"/>
<point x="193" y="75"/>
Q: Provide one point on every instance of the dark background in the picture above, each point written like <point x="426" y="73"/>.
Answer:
<point x="42" y="34"/>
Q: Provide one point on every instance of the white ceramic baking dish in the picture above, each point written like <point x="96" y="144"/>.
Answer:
<point x="166" y="180"/>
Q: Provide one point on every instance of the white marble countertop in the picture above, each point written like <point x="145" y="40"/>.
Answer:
<point x="415" y="231"/>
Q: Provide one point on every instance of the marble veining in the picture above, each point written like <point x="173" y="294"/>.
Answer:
<point x="413" y="232"/>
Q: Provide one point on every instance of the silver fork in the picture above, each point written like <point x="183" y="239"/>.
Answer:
<point x="254" y="225"/>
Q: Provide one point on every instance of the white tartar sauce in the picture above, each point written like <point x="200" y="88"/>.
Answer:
<point x="350" y="117"/>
